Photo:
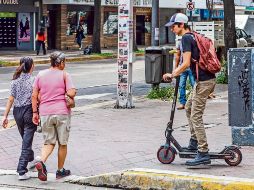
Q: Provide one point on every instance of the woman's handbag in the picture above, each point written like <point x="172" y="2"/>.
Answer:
<point x="70" y="102"/>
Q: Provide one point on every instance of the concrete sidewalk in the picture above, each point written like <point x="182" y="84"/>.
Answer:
<point x="106" y="140"/>
<point x="11" y="58"/>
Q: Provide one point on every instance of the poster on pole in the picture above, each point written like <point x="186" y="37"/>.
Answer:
<point x="125" y="54"/>
<point x="24" y="30"/>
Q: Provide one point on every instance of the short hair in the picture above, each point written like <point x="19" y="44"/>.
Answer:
<point x="185" y="25"/>
<point x="56" y="58"/>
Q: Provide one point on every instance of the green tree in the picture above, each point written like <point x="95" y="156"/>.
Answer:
<point x="97" y="27"/>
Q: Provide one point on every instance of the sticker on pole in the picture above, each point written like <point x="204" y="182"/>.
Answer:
<point x="190" y="6"/>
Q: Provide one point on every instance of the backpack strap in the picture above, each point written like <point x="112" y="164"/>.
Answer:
<point x="194" y="60"/>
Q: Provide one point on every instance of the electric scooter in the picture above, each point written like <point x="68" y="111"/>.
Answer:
<point x="166" y="153"/>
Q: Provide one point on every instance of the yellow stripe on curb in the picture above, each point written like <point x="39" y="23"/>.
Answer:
<point x="206" y="183"/>
<point x="165" y="180"/>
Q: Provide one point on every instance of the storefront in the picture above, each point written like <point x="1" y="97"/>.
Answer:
<point x="64" y="17"/>
<point x="17" y="24"/>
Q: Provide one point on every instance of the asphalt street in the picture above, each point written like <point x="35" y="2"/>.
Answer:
<point x="95" y="80"/>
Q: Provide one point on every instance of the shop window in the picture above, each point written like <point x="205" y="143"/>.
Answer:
<point x="110" y="23"/>
<point x="76" y="17"/>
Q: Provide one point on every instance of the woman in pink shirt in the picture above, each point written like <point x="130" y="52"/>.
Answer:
<point x="50" y="87"/>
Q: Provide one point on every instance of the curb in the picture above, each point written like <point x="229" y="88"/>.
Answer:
<point x="68" y="59"/>
<point x="161" y="180"/>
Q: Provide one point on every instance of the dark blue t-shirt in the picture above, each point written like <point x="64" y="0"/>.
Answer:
<point x="189" y="44"/>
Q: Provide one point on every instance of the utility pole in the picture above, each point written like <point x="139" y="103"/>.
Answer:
<point x="125" y="54"/>
<point x="155" y="23"/>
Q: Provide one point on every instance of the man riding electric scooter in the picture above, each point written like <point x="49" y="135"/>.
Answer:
<point x="205" y="84"/>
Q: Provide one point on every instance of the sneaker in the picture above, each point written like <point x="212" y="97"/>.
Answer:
<point x="60" y="174"/>
<point x="31" y="165"/>
<point x="42" y="171"/>
<point x="202" y="158"/>
<point x="24" y="177"/>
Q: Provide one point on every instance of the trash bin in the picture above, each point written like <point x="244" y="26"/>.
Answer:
<point x="167" y="60"/>
<point x="153" y="65"/>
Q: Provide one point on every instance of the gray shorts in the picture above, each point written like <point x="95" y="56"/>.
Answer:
<point x="56" y="128"/>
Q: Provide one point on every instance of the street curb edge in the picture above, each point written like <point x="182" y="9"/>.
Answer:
<point x="159" y="180"/>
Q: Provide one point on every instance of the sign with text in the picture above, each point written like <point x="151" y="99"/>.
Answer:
<point x="9" y="2"/>
<point x="125" y="54"/>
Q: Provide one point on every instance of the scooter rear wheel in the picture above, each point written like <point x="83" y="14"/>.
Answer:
<point x="236" y="156"/>
<point x="166" y="155"/>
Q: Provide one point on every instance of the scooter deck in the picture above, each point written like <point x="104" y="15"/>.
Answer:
<point x="213" y="155"/>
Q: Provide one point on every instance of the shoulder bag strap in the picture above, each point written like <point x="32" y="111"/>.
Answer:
<point x="64" y="76"/>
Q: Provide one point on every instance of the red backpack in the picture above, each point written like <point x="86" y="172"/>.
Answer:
<point x="208" y="60"/>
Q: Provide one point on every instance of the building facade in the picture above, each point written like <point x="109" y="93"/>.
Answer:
<point x="64" y="17"/>
<point x="17" y="24"/>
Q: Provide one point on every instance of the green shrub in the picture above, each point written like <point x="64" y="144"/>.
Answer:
<point x="222" y="77"/>
<point x="167" y="93"/>
<point x="104" y="54"/>
<point x="140" y="51"/>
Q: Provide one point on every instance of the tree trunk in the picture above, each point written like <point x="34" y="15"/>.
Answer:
<point x="96" y="45"/>
<point x="229" y="26"/>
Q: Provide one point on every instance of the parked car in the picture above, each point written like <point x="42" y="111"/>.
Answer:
<point x="240" y="33"/>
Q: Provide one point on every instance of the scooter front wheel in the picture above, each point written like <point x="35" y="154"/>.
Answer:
<point x="236" y="156"/>
<point x="166" y="155"/>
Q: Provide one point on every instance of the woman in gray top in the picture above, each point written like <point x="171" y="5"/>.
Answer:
<point x="20" y="95"/>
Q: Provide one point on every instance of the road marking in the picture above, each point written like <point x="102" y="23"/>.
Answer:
<point x="92" y="96"/>
<point x="4" y="90"/>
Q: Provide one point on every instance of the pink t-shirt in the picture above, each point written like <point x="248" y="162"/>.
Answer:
<point x="51" y="86"/>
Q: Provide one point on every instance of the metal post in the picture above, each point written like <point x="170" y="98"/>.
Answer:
<point x="155" y="23"/>
<point x="191" y="18"/>
<point x="190" y="12"/>
<point x="125" y="54"/>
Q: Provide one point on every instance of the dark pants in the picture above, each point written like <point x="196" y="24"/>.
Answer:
<point x="23" y="117"/>
<point x="79" y="40"/>
<point x="38" y="47"/>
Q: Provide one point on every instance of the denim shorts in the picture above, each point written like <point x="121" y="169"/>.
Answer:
<point x="56" y="128"/>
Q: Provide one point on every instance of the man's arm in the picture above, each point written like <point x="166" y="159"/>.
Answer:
<point x="177" y="58"/>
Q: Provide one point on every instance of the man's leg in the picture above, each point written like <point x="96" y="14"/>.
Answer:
<point x="191" y="78"/>
<point x="44" y="48"/>
<point x="193" y="140"/>
<point x="200" y="94"/>
<point x="182" y="90"/>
